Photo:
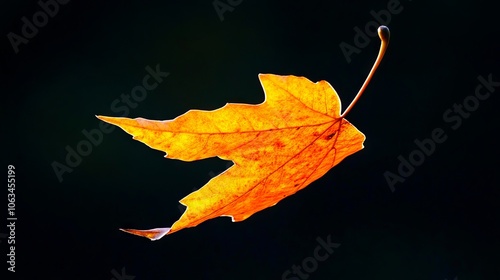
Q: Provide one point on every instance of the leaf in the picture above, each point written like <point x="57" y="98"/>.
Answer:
<point x="278" y="147"/>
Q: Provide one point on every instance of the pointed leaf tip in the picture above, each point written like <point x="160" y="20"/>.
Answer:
<point x="106" y="119"/>
<point x="151" y="234"/>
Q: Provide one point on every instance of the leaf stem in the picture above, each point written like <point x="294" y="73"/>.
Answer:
<point x="384" y="34"/>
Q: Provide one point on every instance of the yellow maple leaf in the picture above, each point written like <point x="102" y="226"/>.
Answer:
<point x="278" y="147"/>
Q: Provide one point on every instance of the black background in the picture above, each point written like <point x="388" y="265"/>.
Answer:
<point x="442" y="222"/>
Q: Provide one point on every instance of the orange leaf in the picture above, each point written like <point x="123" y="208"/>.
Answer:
<point x="278" y="147"/>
